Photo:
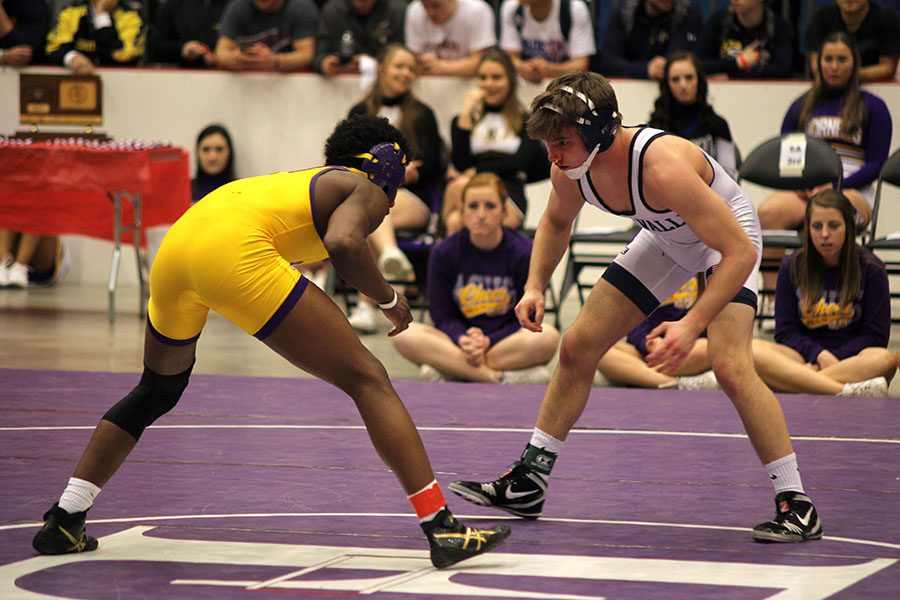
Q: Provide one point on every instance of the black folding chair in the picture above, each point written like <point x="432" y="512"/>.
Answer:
<point x="888" y="245"/>
<point x="589" y="248"/>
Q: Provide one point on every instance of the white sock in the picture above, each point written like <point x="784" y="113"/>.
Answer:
<point x="78" y="496"/>
<point x="542" y="439"/>
<point x="785" y="475"/>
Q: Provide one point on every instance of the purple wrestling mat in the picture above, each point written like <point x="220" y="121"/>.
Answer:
<point x="264" y="485"/>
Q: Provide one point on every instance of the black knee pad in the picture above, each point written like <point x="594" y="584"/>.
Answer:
<point x="153" y="397"/>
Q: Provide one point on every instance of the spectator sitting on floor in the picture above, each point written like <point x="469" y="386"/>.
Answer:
<point x="625" y="363"/>
<point x="23" y="30"/>
<point x="267" y="35"/>
<point x="475" y="278"/>
<point x="832" y="311"/>
<point x="27" y="259"/>
<point x="88" y="33"/>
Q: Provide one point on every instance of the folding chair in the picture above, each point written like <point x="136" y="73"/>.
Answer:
<point x="888" y="244"/>
<point x="792" y="161"/>
<point x="596" y="248"/>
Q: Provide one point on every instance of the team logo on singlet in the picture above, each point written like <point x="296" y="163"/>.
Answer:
<point x="662" y="226"/>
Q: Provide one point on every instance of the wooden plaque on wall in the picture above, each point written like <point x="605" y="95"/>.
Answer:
<point x="60" y="99"/>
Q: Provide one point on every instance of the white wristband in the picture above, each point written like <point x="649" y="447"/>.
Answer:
<point x="391" y="304"/>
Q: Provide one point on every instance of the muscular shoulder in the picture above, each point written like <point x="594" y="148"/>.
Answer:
<point x="667" y="155"/>
<point x="668" y="163"/>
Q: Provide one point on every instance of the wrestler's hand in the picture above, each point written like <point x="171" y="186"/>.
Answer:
<point x="676" y="341"/>
<point x="399" y="315"/>
<point x="530" y="310"/>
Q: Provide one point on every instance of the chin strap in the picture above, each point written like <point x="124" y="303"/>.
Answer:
<point x="578" y="172"/>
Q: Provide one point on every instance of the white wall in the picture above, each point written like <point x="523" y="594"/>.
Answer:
<point x="280" y="122"/>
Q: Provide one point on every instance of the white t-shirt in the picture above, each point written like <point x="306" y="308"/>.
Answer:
<point x="469" y="30"/>
<point x="545" y="38"/>
<point x="492" y="134"/>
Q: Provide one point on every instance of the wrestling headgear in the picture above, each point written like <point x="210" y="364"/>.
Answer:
<point x="385" y="166"/>
<point x="597" y="127"/>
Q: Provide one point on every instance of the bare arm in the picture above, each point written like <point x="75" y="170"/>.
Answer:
<point x="573" y="64"/>
<point x="348" y="229"/>
<point x="554" y="230"/>
<point x="550" y="243"/>
<point x="227" y="53"/>
<point x="536" y="70"/>
<point x="884" y="70"/>
<point x="301" y="57"/>
<point x="6" y="24"/>
<point x="430" y="64"/>
<point x="260" y="57"/>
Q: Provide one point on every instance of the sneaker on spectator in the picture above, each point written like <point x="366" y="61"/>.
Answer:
<point x="539" y="375"/>
<point x="877" y="386"/>
<point x="4" y="269"/>
<point x="394" y="265"/>
<point x="697" y="383"/>
<point x="429" y="373"/>
<point x="17" y="276"/>
<point x="363" y="318"/>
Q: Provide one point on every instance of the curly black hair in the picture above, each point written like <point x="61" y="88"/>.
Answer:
<point x="358" y="134"/>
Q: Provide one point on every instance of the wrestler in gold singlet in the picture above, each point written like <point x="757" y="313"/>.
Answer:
<point x="232" y="252"/>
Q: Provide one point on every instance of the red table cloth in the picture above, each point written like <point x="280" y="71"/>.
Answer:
<point x="51" y="188"/>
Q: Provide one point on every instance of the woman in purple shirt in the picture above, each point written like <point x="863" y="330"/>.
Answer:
<point x="475" y="278"/>
<point x="856" y="123"/>
<point x="832" y="311"/>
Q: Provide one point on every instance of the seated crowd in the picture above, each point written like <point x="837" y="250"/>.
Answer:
<point x="544" y="38"/>
<point x="832" y="316"/>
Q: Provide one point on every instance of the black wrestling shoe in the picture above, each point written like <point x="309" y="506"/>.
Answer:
<point x="796" y="521"/>
<point x="519" y="491"/>
<point x="451" y="541"/>
<point x="63" y="533"/>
